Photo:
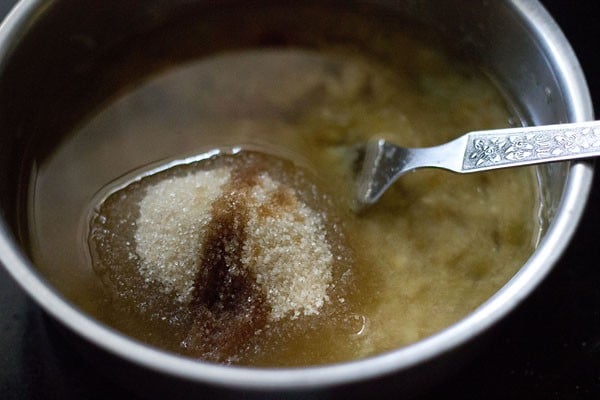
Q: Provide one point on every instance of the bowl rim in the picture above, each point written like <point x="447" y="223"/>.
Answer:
<point x="551" y="247"/>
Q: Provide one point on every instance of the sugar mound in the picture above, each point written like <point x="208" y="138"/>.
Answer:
<point x="288" y="250"/>
<point x="172" y="221"/>
<point x="285" y="246"/>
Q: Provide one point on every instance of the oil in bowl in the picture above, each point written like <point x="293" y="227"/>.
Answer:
<point x="249" y="253"/>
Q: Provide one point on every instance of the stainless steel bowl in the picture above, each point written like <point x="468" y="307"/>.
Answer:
<point x="47" y="63"/>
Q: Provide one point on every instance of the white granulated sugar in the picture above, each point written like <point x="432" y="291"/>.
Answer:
<point x="288" y="251"/>
<point x="173" y="215"/>
<point x="286" y="246"/>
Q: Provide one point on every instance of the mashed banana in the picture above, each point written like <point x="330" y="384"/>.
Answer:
<point x="255" y="257"/>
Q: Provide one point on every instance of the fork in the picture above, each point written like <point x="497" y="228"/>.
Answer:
<point x="475" y="151"/>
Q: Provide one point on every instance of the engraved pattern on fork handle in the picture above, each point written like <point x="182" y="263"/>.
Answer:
<point x="489" y="150"/>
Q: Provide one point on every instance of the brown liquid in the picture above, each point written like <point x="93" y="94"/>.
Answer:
<point x="420" y="259"/>
<point x="229" y="317"/>
<point x="228" y="307"/>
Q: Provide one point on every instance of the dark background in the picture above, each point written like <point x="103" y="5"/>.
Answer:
<point x="549" y="348"/>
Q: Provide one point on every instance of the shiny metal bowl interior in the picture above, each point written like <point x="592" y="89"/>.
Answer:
<point x="44" y="66"/>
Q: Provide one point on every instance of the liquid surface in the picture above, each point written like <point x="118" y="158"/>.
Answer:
<point x="239" y="253"/>
<point x="433" y="249"/>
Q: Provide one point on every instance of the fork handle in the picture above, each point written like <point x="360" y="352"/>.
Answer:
<point x="530" y="145"/>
